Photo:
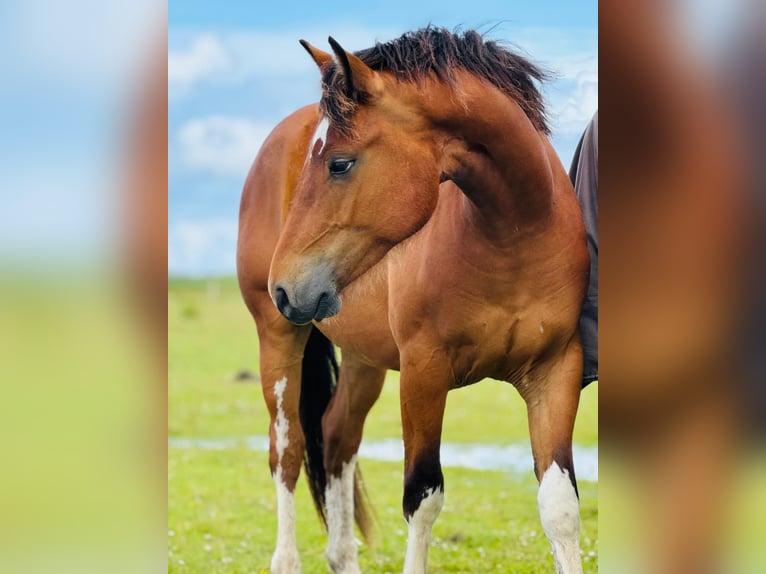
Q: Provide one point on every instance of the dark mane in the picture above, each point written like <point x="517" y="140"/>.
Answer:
<point x="433" y="50"/>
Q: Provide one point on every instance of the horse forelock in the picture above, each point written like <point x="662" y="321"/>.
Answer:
<point x="436" y="51"/>
<point x="336" y="104"/>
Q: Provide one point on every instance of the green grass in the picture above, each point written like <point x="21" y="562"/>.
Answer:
<point x="222" y="503"/>
<point x="223" y="518"/>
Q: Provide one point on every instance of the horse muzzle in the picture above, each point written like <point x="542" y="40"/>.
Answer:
<point x="303" y="304"/>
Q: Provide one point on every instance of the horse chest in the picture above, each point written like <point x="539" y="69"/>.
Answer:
<point x="362" y="327"/>
<point x="498" y="344"/>
<point x="485" y="315"/>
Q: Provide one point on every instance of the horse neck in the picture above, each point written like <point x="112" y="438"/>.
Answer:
<point x="492" y="151"/>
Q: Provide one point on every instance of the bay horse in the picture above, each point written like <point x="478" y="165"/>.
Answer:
<point x="419" y="219"/>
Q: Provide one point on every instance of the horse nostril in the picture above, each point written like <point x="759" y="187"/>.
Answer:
<point x="281" y="300"/>
<point x="322" y="303"/>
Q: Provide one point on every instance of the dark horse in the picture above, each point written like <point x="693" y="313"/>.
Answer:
<point x="419" y="219"/>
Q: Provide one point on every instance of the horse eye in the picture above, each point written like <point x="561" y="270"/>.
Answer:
<point x="341" y="166"/>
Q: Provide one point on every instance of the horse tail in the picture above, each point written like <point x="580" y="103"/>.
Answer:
<point x="319" y="379"/>
<point x="362" y="507"/>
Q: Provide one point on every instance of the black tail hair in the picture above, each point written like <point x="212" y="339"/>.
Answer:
<point x="319" y="378"/>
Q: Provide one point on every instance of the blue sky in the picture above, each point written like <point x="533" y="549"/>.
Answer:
<point x="235" y="69"/>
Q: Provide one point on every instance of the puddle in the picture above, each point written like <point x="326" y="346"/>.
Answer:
<point x="516" y="458"/>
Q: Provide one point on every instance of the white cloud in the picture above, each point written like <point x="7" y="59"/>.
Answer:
<point x="570" y="54"/>
<point x="578" y="109"/>
<point x="573" y="99"/>
<point x="577" y="68"/>
<point x="203" y="59"/>
<point x="221" y="145"/>
<point x="202" y="247"/>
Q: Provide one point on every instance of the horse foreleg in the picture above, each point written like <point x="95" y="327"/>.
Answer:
<point x="552" y="406"/>
<point x="359" y="387"/>
<point x="281" y="346"/>
<point x="423" y="392"/>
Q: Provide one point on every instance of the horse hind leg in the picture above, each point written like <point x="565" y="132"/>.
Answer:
<point x="281" y="351"/>
<point x="552" y="406"/>
<point x="359" y="387"/>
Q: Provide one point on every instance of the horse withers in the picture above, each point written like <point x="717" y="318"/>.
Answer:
<point x="418" y="218"/>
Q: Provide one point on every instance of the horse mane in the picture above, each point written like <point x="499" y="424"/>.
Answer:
<point x="440" y="52"/>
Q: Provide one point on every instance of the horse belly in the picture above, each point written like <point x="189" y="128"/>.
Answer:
<point x="362" y="327"/>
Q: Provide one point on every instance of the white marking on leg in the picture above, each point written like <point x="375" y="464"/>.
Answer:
<point x="281" y="424"/>
<point x="560" y="517"/>
<point x="285" y="559"/>
<point x="419" y="531"/>
<point x="341" y="544"/>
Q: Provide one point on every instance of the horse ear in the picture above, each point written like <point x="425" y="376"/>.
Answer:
<point x="319" y="56"/>
<point x="360" y="78"/>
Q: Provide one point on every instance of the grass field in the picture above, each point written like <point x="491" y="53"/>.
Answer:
<point x="221" y="503"/>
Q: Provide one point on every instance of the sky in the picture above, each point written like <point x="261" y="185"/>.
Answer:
<point x="235" y="69"/>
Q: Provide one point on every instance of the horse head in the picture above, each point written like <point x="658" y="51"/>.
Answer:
<point x="369" y="181"/>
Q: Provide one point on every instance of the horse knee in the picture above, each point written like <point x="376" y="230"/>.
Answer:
<point x="287" y="462"/>
<point x="341" y="443"/>
<point x="287" y="441"/>
<point x="420" y="483"/>
<point x="428" y="508"/>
